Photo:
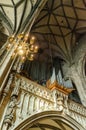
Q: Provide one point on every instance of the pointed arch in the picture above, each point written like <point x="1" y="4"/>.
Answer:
<point x="51" y="120"/>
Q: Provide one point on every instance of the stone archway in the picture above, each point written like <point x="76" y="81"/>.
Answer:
<point x="49" y="120"/>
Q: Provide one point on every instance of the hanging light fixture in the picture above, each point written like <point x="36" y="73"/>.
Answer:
<point x="31" y="48"/>
<point x="26" y="47"/>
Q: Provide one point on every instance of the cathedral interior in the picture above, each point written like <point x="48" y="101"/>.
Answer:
<point x="43" y="65"/>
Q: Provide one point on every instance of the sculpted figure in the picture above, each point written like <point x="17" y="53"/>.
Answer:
<point x="11" y="106"/>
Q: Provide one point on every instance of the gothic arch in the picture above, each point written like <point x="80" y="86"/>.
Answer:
<point x="52" y="120"/>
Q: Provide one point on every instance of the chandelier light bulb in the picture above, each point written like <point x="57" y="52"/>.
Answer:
<point x="20" y="47"/>
<point x="25" y="49"/>
<point x="23" y="58"/>
<point x="26" y="37"/>
<point x="33" y="38"/>
<point x="31" y="55"/>
<point x="31" y="41"/>
<point x="20" y="52"/>
<point x="36" y="49"/>
<point x="32" y="47"/>
<point x="10" y="39"/>
<point x="21" y="35"/>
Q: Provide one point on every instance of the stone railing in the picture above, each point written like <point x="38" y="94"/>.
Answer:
<point x="28" y="98"/>
<point x="77" y="112"/>
<point x="33" y="98"/>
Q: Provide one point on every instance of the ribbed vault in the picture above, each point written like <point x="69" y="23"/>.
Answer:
<point x="50" y="124"/>
<point x="16" y="14"/>
<point x="49" y="120"/>
<point x="57" y="27"/>
<point x="60" y="24"/>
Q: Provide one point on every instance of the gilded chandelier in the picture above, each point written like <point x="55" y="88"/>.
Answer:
<point x="25" y="46"/>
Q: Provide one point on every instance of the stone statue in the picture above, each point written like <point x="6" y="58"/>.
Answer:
<point x="11" y="106"/>
<point x="60" y="103"/>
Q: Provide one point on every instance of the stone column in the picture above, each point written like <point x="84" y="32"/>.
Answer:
<point x="78" y="81"/>
<point x="6" y="89"/>
<point x="7" y="65"/>
<point x="11" y="108"/>
<point x="74" y="71"/>
<point x="9" y="113"/>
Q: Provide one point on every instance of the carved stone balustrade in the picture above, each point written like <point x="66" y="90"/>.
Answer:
<point x="78" y="112"/>
<point x="28" y="98"/>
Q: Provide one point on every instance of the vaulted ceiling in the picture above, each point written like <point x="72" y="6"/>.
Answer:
<point x="57" y="28"/>
<point x="50" y="124"/>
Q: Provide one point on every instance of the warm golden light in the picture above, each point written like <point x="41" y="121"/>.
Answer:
<point x="26" y="37"/>
<point x="20" y="52"/>
<point x="24" y="46"/>
<point x="11" y="39"/>
<point x="20" y="47"/>
<point x="32" y="38"/>
<point x="9" y="45"/>
<point x="21" y="35"/>
<point x="31" y="47"/>
<point x="31" y="57"/>
<point x="36" y="49"/>
<point x="23" y="58"/>
<point x="31" y="41"/>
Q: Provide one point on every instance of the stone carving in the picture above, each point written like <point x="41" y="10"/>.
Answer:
<point x="77" y="112"/>
<point x="9" y="113"/>
<point x="11" y="106"/>
<point x="33" y="99"/>
<point x="77" y="108"/>
<point x="6" y="89"/>
<point x="16" y="86"/>
<point x="60" y="103"/>
<point x="9" y="116"/>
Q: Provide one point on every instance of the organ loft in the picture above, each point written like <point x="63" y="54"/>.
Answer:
<point x="43" y="65"/>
